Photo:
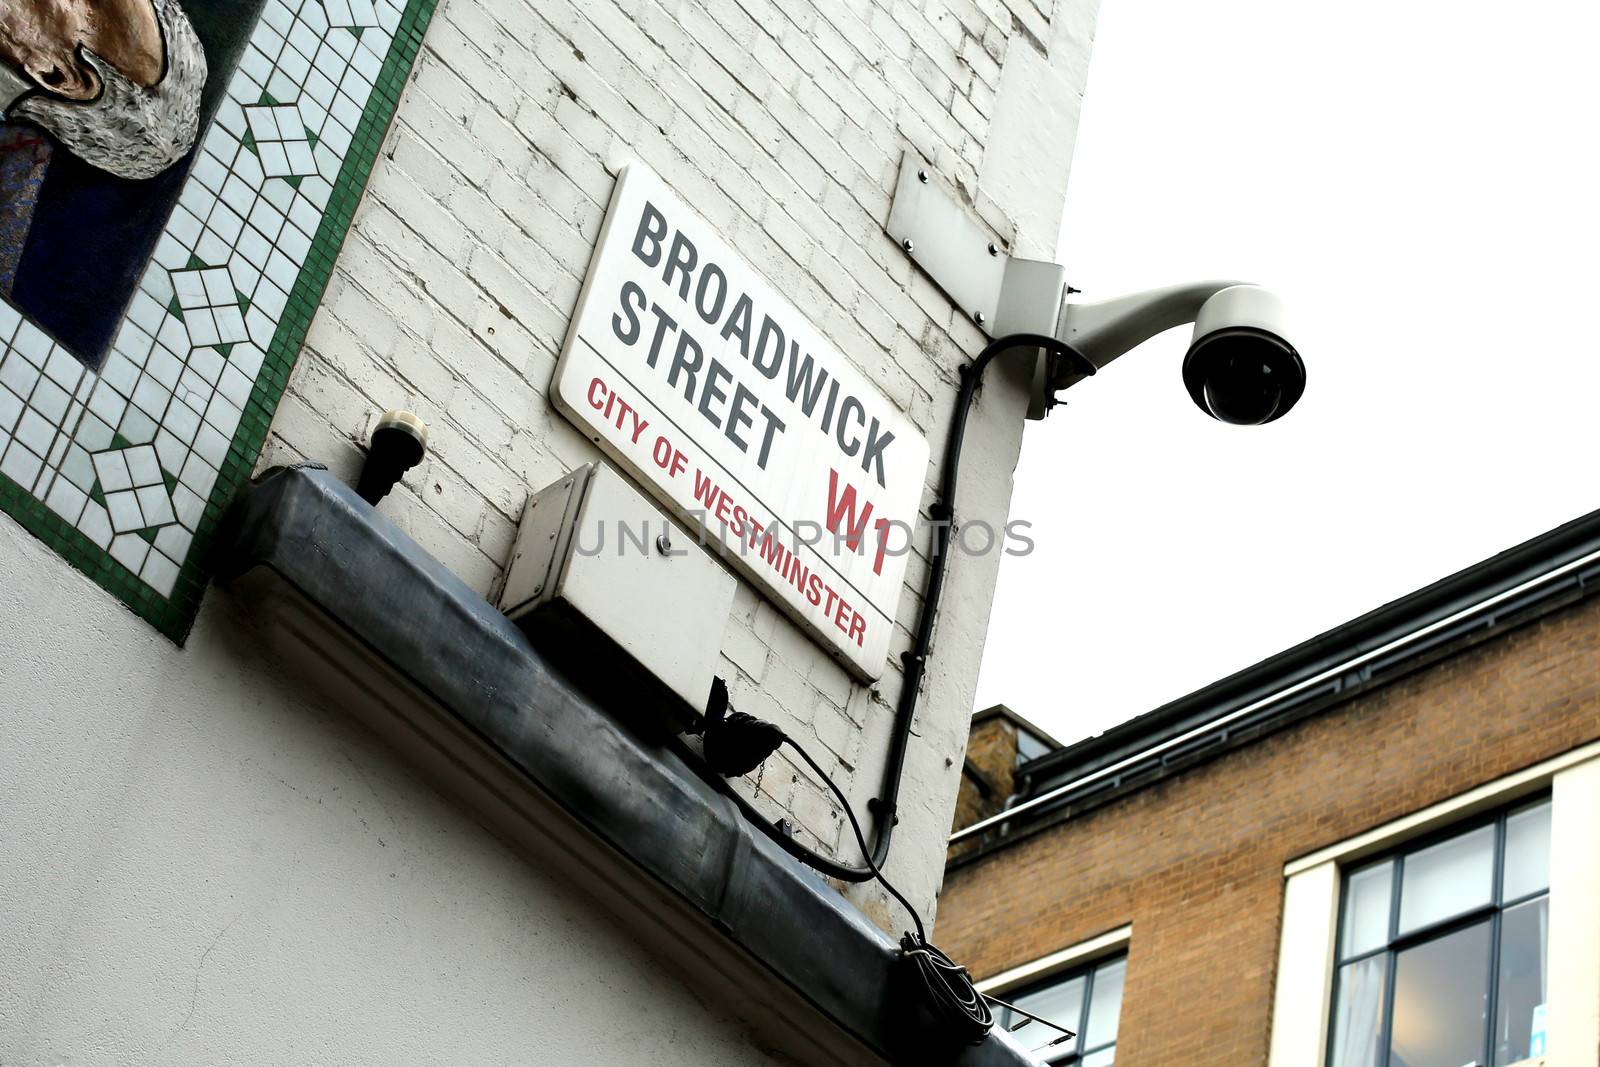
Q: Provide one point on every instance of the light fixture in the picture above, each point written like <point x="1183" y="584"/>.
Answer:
<point x="399" y="442"/>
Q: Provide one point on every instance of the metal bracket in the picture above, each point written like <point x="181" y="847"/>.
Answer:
<point x="949" y="245"/>
<point x="1000" y="294"/>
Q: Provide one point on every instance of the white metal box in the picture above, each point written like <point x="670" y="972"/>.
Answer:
<point x="595" y="560"/>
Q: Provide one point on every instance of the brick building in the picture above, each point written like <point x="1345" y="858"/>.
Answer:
<point x="1376" y="848"/>
<point x="328" y="209"/>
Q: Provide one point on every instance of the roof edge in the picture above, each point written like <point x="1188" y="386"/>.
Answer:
<point x="1003" y="711"/>
<point x="1433" y="603"/>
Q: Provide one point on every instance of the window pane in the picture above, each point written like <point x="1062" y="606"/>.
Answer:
<point x="1102" y="1058"/>
<point x="1366" y="909"/>
<point x="1105" y="1004"/>
<point x="1358" y="1014"/>
<point x="1061" y="1004"/>
<point x="1519" y="1009"/>
<point x="1441" y="994"/>
<point x="1527" y="852"/>
<point x="1446" y="880"/>
<point x="1029" y="747"/>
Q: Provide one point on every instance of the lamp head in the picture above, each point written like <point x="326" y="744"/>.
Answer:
<point x="399" y="442"/>
<point x="1239" y="367"/>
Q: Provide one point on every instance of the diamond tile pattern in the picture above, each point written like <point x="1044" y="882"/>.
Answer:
<point x="126" y="471"/>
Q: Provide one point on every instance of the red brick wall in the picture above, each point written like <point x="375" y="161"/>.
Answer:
<point x="1196" y="863"/>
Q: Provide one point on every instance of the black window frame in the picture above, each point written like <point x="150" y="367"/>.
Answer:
<point x="1396" y="943"/>
<point x="1079" y="1026"/>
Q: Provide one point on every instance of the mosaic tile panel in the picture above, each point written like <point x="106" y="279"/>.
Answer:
<point x="126" y="471"/>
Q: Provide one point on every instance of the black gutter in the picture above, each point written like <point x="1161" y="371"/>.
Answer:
<point x="1432" y="605"/>
<point x="624" y="785"/>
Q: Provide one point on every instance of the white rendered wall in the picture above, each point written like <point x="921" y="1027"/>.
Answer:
<point x="201" y="863"/>
<point x="781" y="124"/>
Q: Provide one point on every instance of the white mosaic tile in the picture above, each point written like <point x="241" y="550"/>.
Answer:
<point x="155" y="505"/>
<point x="18" y="375"/>
<point x="187" y="507"/>
<point x="95" y="524"/>
<point x="129" y="550"/>
<point x="143" y="469"/>
<point x="35" y="431"/>
<point x="120" y="373"/>
<point x="159" y="572"/>
<point x="112" y="470"/>
<point x="78" y="468"/>
<point x="196" y="332"/>
<point x="173" y="541"/>
<point x="105" y="403"/>
<point x="67" y="500"/>
<point x="63" y="369"/>
<point x="124" y="509"/>
<point x="191" y="290"/>
<point x="58" y="452"/>
<point x="137" y="427"/>
<point x="10" y="409"/>
<point x="21" y="465"/>
<point x="50" y="401"/>
<point x="171" y="451"/>
<point x="93" y="434"/>
<point x="33" y="343"/>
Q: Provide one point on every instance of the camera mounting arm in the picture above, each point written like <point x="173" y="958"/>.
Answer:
<point x="1104" y="330"/>
<point x="1239" y="368"/>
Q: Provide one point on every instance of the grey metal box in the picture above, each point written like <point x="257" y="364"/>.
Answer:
<point x="595" y="560"/>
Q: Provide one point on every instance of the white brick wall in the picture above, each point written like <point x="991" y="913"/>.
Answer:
<point x="781" y="124"/>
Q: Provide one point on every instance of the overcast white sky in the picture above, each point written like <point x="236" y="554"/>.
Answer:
<point x="1419" y="181"/>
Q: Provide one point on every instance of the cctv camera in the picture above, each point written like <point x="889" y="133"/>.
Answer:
<point x="1239" y="368"/>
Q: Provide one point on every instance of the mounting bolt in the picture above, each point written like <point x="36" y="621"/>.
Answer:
<point x="994" y="249"/>
<point x="977" y="317"/>
<point x="922" y="176"/>
<point x="664" y="544"/>
<point x="906" y="244"/>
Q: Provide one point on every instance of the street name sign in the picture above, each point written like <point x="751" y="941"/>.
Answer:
<point x="707" y="385"/>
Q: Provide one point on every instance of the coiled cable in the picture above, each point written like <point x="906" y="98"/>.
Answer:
<point x="941" y="990"/>
<point x="959" y="1010"/>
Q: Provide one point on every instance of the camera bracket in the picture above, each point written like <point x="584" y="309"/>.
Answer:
<point x="999" y="293"/>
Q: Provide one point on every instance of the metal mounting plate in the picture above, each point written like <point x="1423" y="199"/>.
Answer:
<point x="946" y="241"/>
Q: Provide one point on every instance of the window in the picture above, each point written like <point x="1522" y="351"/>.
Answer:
<point x="1087" y="1001"/>
<point x="1029" y="747"/>
<point x="1442" y="951"/>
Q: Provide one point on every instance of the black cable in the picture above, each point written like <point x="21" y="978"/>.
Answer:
<point x="737" y="743"/>
<point x="948" y="992"/>
<point x="861" y="839"/>
<point x="734" y="742"/>
<point x="885" y="806"/>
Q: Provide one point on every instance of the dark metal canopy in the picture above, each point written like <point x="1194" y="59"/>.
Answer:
<point x="443" y="676"/>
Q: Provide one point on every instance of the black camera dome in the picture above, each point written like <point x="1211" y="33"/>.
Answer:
<point x="1244" y="375"/>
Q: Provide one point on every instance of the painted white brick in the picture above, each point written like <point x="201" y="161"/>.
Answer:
<point x="783" y="126"/>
